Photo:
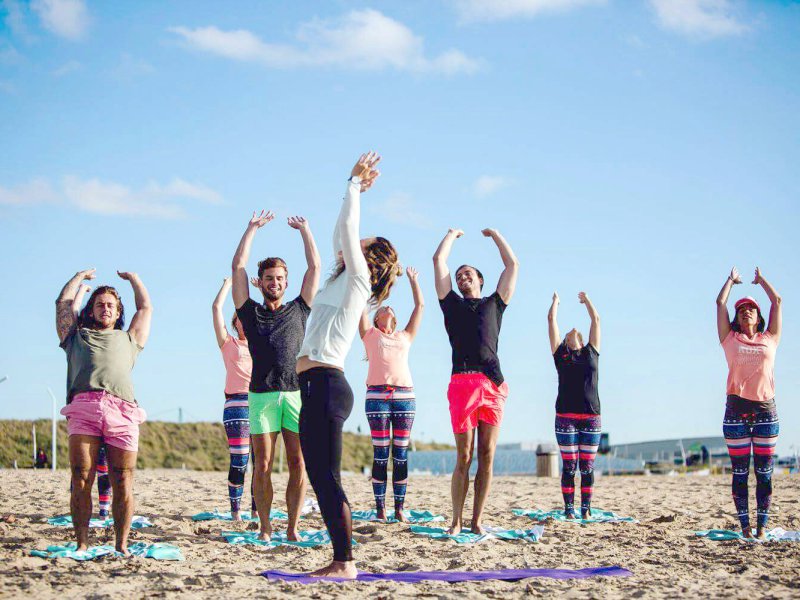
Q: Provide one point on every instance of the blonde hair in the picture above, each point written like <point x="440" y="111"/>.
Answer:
<point x="384" y="269"/>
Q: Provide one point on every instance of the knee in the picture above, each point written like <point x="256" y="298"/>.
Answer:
<point x="296" y="464"/>
<point x="485" y="454"/>
<point x="122" y="476"/>
<point x="568" y="467"/>
<point x="236" y="477"/>
<point x="463" y="460"/>
<point x="81" y="477"/>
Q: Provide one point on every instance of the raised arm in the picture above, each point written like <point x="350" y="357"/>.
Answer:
<point x="552" y="325"/>
<point x="238" y="273"/>
<point x="723" y="319"/>
<point x="775" y="316"/>
<point x="419" y="303"/>
<point x="140" y="323"/>
<point x="508" y="278"/>
<point x="362" y="177"/>
<point x="65" y="317"/>
<point x="83" y="289"/>
<point x="594" y="329"/>
<point x="363" y="322"/>
<point x="441" y="271"/>
<point x="313" y="262"/>
<point x="216" y="312"/>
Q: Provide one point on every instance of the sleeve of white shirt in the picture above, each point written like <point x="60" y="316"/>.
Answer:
<point x="347" y="229"/>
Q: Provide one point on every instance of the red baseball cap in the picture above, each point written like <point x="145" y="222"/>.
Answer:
<point x="747" y="300"/>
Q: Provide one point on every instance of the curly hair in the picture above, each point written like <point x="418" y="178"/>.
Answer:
<point x="85" y="317"/>
<point x="271" y="263"/>
<point x="384" y="269"/>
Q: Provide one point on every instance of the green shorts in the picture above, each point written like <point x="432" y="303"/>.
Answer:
<point x="273" y="411"/>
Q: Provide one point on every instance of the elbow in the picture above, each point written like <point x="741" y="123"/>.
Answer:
<point x="777" y="300"/>
<point x="513" y="263"/>
<point x="720" y="302"/>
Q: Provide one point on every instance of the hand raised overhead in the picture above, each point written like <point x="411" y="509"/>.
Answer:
<point x="556" y="299"/>
<point x="582" y="297"/>
<point x="261" y="219"/>
<point x="735" y="278"/>
<point x="298" y="223"/>
<point x="757" y="279"/>
<point x="126" y="275"/>
<point x="456" y="232"/>
<point x="412" y="274"/>
<point x="489" y="232"/>
<point x="365" y="169"/>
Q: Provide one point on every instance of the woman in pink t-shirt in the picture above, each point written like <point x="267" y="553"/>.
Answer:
<point x="236" y="414"/>
<point x="751" y="419"/>
<point x="391" y="404"/>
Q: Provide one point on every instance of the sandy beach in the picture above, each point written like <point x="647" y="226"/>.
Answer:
<point x="660" y="550"/>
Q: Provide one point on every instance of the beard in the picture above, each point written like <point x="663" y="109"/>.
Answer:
<point x="272" y="296"/>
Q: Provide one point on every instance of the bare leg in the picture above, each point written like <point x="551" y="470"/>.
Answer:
<point x="459" y="485"/>
<point x="487" y="442"/>
<point x="121" y="465"/>
<point x="263" y="447"/>
<point x="296" y="488"/>
<point x="82" y="459"/>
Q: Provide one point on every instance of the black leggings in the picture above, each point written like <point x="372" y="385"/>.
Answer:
<point x="327" y="402"/>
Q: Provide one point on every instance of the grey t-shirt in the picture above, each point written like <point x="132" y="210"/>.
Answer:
<point x="100" y="360"/>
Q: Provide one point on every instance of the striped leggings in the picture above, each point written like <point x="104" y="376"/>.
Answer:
<point x="578" y="437"/>
<point x="759" y="431"/>
<point x="390" y="412"/>
<point x="103" y="483"/>
<point x="236" y="419"/>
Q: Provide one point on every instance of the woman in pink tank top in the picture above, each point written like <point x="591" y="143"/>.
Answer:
<point x="391" y="403"/>
<point x="236" y="413"/>
<point x="750" y="425"/>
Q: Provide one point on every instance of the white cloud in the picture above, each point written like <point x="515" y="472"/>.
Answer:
<point x="68" y="67"/>
<point x="110" y="198"/>
<point x="400" y="208"/>
<point x="66" y="18"/>
<point x="486" y="185"/>
<point x="361" y="40"/>
<point x="499" y="10"/>
<point x="698" y="18"/>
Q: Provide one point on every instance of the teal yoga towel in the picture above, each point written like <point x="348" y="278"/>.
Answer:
<point x="413" y="516"/>
<point x="467" y="537"/>
<point x="308" y="539"/>
<point x="66" y="521"/>
<point x="155" y="551"/>
<point x="598" y="516"/>
<point x="246" y="516"/>
<point x="773" y="535"/>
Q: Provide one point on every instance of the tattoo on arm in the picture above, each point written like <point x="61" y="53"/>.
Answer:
<point x="65" y="318"/>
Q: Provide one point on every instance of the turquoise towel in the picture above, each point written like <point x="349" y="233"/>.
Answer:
<point x="66" y="521"/>
<point x="598" y="516"/>
<point x="413" y="516"/>
<point x="467" y="537"/>
<point x="308" y="539"/>
<point x="246" y="516"/>
<point x="155" y="551"/>
<point x="773" y="535"/>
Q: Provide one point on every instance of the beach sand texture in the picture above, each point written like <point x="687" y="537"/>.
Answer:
<point x="660" y="550"/>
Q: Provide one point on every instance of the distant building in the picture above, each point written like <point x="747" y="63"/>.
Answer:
<point x="697" y="450"/>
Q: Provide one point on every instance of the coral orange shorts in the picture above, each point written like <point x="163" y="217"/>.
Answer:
<point x="105" y="416"/>
<point x="474" y="397"/>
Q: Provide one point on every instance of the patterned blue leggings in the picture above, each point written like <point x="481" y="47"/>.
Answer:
<point x="236" y="419"/>
<point x="749" y="433"/>
<point x="578" y="437"/>
<point x="390" y="412"/>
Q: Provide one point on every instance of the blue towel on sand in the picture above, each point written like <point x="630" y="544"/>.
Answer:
<point x="308" y="539"/>
<point x="598" y="516"/>
<point x="773" y="535"/>
<point x="467" y="537"/>
<point x="66" y="521"/>
<point x="246" y="516"/>
<point x="156" y="551"/>
<point x="413" y="516"/>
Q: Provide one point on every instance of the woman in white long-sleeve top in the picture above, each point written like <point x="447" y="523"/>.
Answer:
<point x="366" y="270"/>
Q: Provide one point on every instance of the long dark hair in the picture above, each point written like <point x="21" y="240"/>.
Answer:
<point x="85" y="317"/>
<point x="762" y="325"/>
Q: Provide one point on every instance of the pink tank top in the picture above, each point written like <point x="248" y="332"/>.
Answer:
<point x="238" y="365"/>
<point x="751" y="365"/>
<point x="388" y="357"/>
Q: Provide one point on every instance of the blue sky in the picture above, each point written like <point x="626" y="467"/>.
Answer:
<point x="632" y="150"/>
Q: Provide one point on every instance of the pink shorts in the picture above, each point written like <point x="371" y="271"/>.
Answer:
<point x="102" y="415"/>
<point x="474" y="397"/>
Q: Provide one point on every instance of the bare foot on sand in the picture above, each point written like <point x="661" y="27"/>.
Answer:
<point x="235" y="516"/>
<point x="381" y="515"/>
<point x="266" y="532"/>
<point x="401" y="518"/>
<point x="455" y="528"/>
<point x="291" y="534"/>
<point x="342" y="569"/>
<point x="570" y="515"/>
<point x="761" y="534"/>
<point x="477" y="528"/>
<point x="747" y="532"/>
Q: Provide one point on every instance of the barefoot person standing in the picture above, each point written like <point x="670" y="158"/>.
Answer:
<point x="577" y="404"/>
<point x="477" y="390"/>
<point x="750" y="425"/>
<point x="365" y="272"/>
<point x="101" y="404"/>
<point x="391" y="403"/>
<point x="274" y="332"/>
<point x="235" y="414"/>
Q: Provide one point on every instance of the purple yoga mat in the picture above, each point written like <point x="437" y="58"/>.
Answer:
<point x="453" y="576"/>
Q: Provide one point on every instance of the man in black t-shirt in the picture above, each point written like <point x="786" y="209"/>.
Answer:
<point x="274" y="333"/>
<point x="477" y="390"/>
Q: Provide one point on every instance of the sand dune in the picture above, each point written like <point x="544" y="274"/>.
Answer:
<point x="667" y="561"/>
